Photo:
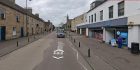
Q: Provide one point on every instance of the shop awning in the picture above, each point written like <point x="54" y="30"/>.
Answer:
<point x="110" y="23"/>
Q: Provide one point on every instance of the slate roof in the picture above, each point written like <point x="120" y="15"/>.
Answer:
<point x="18" y="8"/>
<point x="97" y="3"/>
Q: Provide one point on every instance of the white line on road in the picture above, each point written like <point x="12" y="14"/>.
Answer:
<point x="78" y="58"/>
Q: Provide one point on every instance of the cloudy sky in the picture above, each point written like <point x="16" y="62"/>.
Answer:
<point x="57" y="10"/>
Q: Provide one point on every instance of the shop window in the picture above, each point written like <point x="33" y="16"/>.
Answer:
<point x="111" y="12"/>
<point x="121" y="8"/>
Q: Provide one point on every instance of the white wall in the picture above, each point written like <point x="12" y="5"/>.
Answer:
<point x="87" y="32"/>
<point x="135" y="19"/>
<point x="133" y="35"/>
<point x="131" y="8"/>
<point x="80" y="31"/>
<point x="105" y="9"/>
<point x="107" y="36"/>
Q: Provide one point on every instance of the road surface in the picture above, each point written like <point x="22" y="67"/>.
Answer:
<point x="48" y="53"/>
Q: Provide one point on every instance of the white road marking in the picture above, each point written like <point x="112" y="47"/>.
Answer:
<point x="78" y="58"/>
<point x="58" y="54"/>
<point x="83" y="66"/>
<point x="58" y="57"/>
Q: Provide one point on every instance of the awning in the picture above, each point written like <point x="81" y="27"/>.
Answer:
<point x="109" y="23"/>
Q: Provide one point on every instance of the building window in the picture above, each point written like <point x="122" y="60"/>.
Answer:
<point x="91" y="18"/>
<point x="101" y="15"/>
<point x="17" y="18"/>
<point x="95" y="17"/>
<point x="111" y="12"/>
<point x="121" y="8"/>
<point x="27" y="19"/>
<point x="14" y="31"/>
<point x="2" y="15"/>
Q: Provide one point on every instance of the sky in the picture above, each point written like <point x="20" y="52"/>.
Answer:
<point x="57" y="10"/>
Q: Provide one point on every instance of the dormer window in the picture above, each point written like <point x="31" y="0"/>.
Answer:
<point x="92" y="5"/>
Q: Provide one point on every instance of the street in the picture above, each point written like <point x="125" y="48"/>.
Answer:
<point x="48" y="53"/>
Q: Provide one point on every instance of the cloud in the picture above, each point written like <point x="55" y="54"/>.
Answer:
<point x="56" y="10"/>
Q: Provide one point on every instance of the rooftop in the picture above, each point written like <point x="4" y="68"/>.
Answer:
<point x="18" y="8"/>
<point x="95" y="4"/>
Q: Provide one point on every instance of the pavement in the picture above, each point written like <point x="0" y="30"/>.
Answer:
<point x="47" y="53"/>
<point x="11" y="45"/>
<point x="105" y="57"/>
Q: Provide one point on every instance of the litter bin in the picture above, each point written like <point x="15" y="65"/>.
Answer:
<point x="134" y="48"/>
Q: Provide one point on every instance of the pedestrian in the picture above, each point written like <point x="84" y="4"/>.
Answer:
<point x="120" y="42"/>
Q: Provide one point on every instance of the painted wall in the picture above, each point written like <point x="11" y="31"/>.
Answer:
<point x="131" y="8"/>
<point x="135" y="19"/>
<point x="133" y="35"/>
<point x="87" y="32"/>
<point x="108" y="35"/>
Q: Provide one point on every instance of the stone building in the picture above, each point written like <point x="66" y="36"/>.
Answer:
<point x="68" y="24"/>
<point x="13" y="22"/>
<point x="77" y="20"/>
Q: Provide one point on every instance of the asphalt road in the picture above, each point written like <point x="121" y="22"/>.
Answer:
<point x="48" y="53"/>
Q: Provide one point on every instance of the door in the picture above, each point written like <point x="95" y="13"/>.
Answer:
<point x="32" y="31"/>
<point x="22" y="32"/>
<point x="2" y="32"/>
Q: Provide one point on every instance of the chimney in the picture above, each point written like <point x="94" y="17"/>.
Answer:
<point x="12" y="1"/>
<point x="49" y="21"/>
<point x="37" y="14"/>
<point x="29" y="10"/>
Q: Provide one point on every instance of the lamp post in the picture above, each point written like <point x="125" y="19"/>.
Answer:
<point x="27" y="33"/>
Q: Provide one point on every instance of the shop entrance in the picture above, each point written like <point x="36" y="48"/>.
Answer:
<point x="84" y="31"/>
<point x="98" y="34"/>
<point x="114" y="33"/>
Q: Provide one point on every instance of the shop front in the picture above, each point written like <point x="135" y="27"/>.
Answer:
<point x="112" y="33"/>
<point x="96" y="33"/>
<point x="84" y="31"/>
<point x="108" y="30"/>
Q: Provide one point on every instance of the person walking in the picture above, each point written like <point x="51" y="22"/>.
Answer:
<point x="120" y="42"/>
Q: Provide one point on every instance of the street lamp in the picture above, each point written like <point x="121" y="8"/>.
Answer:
<point x="27" y="34"/>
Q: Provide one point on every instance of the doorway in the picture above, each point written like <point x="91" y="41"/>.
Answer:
<point x="22" y="32"/>
<point x="2" y="32"/>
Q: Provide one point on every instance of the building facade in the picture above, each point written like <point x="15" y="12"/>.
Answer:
<point x="13" y="22"/>
<point x="75" y="21"/>
<point x="108" y="19"/>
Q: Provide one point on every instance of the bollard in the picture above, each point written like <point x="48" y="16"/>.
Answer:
<point x="74" y="41"/>
<point x="34" y="36"/>
<point x="17" y="43"/>
<point x="79" y="45"/>
<point x="28" y="39"/>
<point x="89" y="52"/>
